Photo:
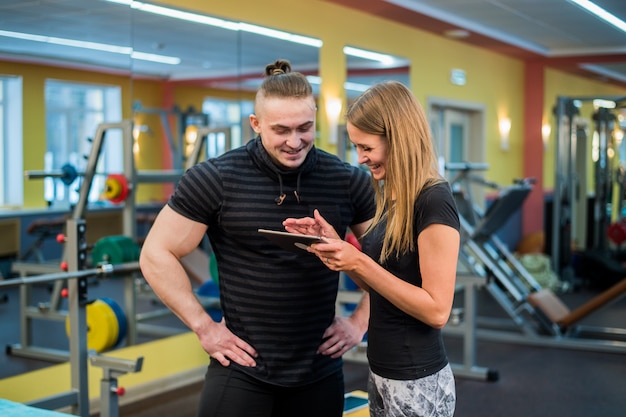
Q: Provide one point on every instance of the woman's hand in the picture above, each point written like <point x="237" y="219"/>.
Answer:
<point x="316" y="226"/>
<point x="336" y="254"/>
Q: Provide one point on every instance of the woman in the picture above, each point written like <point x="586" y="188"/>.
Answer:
<point x="409" y="255"/>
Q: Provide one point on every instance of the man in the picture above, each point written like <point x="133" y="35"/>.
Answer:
<point x="277" y="352"/>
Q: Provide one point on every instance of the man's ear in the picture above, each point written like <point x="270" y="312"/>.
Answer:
<point x="254" y="122"/>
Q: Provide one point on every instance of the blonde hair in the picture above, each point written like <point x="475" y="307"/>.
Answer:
<point x="390" y="110"/>
<point x="281" y="82"/>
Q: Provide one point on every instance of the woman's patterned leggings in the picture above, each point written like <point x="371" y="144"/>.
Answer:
<point x="431" y="396"/>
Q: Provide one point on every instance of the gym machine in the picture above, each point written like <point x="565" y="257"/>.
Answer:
<point x="582" y="226"/>
<point x="127" y="182"/>
<point x="76" y="277"/>
<point x="536" y="315"/>
<point x="53" y="309"/>
<point x="175" y="139"/>
<point x="462" y="323"/>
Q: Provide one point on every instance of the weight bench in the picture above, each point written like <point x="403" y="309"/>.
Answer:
<point x="484" y="254"/>
<point x="43" y="229"/>
<point x="553" y="308"/>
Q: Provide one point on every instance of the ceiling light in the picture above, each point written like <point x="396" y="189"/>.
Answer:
<point x="356" y="86"/>
<point x="143" y="56"/>
<point x="456" y="33"/>
<point x="314" y="79"/>
<point x="67" y="42"/>
<point x="220" y="23"/>
<point x="607" y="104"/>
<point x="247" y="27"/>
<point x="278" y="34"/>
<point x="179" y="14"/>
<point x="374" y="56"/>
<point x="95" y="46"/>
<point x="601" y="13"/>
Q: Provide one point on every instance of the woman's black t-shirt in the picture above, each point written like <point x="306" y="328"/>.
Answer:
<point x="400" y="346"/>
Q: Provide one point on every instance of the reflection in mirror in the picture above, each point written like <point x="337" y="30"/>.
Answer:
<point x="72" y="33"/>
<point x="74" y="74"/>
<point x="221" y="65"/>
<point x="365" y="69"/>
<point x="199" y="65"/>
<point x="368" y="68"/>
<point x="196" y="50"/>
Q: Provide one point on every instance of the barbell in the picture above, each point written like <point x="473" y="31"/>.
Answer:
<point x="104" y="269"/>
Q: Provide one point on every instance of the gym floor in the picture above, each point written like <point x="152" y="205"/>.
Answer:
<point x="533" y="381"/>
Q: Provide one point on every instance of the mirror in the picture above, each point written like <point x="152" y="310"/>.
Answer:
<point x="168" y="78"/>
<point x="221" y="66"/>
<point x="361" y="74"/>
<point x="89" y="35"/>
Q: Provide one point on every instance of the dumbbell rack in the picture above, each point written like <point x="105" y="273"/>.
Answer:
<point x="52" y="309"/>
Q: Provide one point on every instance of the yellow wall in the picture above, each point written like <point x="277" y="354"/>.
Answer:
<point x="152" y="143"/>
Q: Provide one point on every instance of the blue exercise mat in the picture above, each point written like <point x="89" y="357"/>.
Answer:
<point x="12" y="409"/>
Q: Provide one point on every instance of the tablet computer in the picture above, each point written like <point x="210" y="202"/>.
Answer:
<point x="291" y="241"/>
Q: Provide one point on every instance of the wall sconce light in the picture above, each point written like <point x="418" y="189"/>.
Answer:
<point x="618" y="136"/>
<point x="191" y="135"/>
<point x="333" y="110"/>
<point x="505" y="130"/>
<point x="138" y="130"/>
<point x="546" y="130"/>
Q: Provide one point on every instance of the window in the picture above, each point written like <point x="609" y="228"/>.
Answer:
<point x="11" y="191"/>
<point x="73" y="113"/>
<point x="231" y="116"/>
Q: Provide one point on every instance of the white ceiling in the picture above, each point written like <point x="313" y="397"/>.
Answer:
<point x="547" y="27"/>
<point x="556" y="31"/>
